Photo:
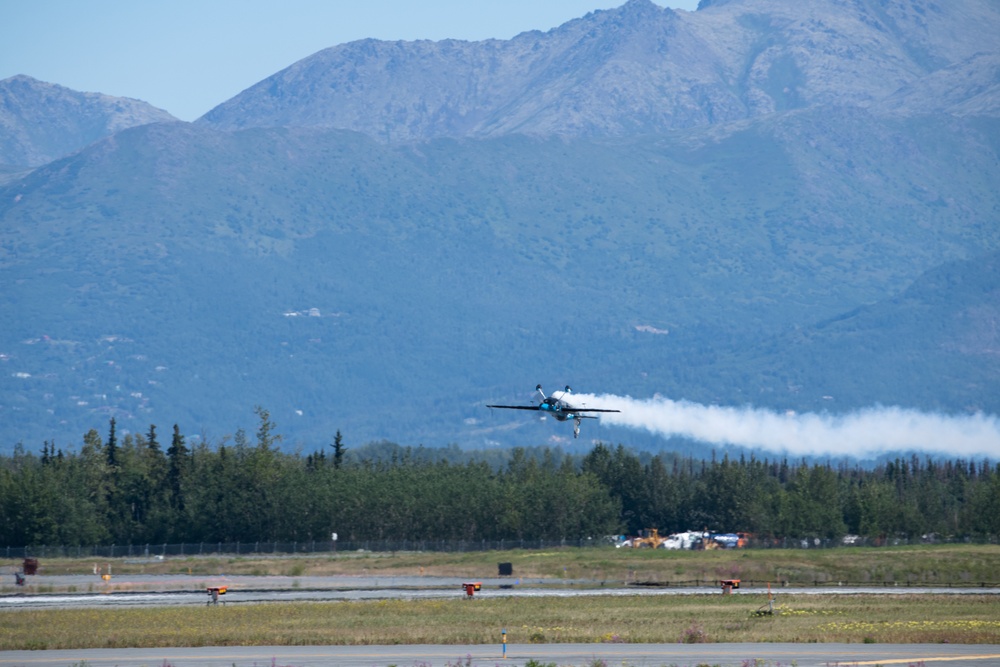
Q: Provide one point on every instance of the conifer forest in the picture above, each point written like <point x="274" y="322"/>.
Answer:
<point x="150" y="489"/>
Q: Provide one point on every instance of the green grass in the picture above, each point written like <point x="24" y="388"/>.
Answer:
<point x="970" y="618"/>
<point x="938" y="565"/>
<point x="638" y="619"/>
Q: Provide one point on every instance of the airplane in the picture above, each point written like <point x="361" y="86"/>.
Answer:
<point x="557" y="406"/>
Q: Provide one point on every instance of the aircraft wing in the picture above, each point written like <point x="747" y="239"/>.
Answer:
<point x="592" y="410"/>
<point x="515" y="407"/>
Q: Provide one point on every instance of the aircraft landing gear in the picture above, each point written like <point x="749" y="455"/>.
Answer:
<point x="576" y="428"/>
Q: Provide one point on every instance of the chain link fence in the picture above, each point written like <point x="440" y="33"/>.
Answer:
<point x="285" y="548"/>
<point x="388" y="546"/>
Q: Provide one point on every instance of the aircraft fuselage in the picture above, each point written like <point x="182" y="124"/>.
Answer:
<point x="555" y="406"/>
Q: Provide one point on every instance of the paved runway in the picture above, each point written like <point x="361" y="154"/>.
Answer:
<point x="170" y="590"/>
<point x="577" y="655"/>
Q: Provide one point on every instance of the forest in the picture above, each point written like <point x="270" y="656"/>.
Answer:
<point x="137" y="490"/>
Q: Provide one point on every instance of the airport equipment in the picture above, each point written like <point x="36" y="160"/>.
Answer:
<point x="214" y="592"/>
<point x="649" y="538"/>
<point x="728" y="585"/>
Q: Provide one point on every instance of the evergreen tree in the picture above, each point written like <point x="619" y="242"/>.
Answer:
<point x="266" y="439"/>
<point x="177" y="457"/>
<point x="111" y="448"/>
<point x="338" y="450"/>
<point x="258" y="493"/>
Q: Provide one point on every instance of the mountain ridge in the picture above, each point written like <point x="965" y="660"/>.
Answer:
<point x="638" y="68"/>
<point x="41" y="122"/>
<point x="745" y="243"/>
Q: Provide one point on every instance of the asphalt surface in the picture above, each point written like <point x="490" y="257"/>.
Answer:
<point x="582" y="655"/>
<point x="169" y="590"/>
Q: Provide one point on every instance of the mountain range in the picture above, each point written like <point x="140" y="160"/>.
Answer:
<point x="641" y="69"/>
<point x="41" y="122"/>
<point x="792" y="205"/>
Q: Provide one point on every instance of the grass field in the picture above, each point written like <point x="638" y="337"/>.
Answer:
<point x="968" y="618"/>
<point x="948" y="565"/>
<point x="965" y="619"/>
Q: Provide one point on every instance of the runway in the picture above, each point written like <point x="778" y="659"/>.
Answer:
<point x="64" y="591"/>
<point x="578" y="655"/>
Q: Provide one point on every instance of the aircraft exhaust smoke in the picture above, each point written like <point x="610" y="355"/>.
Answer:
<point x="862" y="433"/>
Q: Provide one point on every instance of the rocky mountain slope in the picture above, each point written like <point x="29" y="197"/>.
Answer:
<point x="786" y="204"/>
<point x="636" y="69"/>
<point x="40" y="122"/>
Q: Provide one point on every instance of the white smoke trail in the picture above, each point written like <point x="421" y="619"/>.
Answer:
<point x="863" y="433"/>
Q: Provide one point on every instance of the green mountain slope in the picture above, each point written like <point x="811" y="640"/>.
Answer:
<point x="935" y="346"/>
<point x="168" y="273"/>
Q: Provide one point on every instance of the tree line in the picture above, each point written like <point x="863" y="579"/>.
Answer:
<point x="137" y="490"/>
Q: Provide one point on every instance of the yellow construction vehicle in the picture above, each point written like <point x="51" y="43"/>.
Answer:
<point x="649" y="537"/>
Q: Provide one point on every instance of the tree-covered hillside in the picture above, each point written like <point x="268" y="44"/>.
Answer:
<point x="394" y="291"/>
<point x="760" y="202"/>
<point x="939" y="332"/>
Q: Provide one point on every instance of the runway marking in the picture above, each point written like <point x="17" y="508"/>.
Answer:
<point x="910" y="661"/>
<point x="265" y="655"/>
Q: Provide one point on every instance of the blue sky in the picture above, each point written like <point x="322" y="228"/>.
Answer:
<point x="187" y="56"/>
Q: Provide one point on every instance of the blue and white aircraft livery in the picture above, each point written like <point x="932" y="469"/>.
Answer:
<point x="559" y="407"/>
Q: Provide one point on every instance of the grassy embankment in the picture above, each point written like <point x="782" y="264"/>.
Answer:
<point x="699" y="618"/>
<point x="934" y="565"/>
<point x="710" y="617"/>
